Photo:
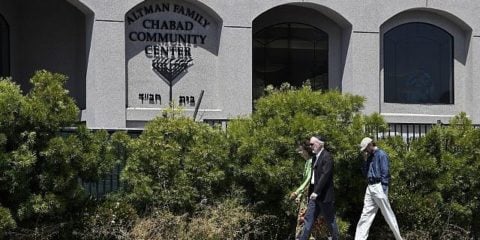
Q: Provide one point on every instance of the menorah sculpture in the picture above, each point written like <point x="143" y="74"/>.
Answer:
<point x="171" y="68"/>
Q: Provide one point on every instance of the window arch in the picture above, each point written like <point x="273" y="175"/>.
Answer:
<point x="4" y="48"/>
<point x="289" y="52"/>
<point x="418" y="65"/>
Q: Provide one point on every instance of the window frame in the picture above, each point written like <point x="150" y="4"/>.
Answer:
<point x="451" y="63"/>
<point x="4" y="47"/>
<point x="289" y="24"/>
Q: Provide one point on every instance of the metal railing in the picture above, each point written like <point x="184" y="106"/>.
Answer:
<point x="110" y="183"/>
<point x="223" y="123"/>
<point x="407" y="131"/>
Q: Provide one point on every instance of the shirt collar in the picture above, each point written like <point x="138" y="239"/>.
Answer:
<point x="375" y="150"/>
<point x="318" y="154"/>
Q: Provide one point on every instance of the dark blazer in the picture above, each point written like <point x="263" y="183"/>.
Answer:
<point x="323" y="172"/>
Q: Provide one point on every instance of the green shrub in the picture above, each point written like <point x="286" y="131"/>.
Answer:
<point x="6" y="221"/>
<point x="180" y="176"/>
<point x="40" y="168"/>
<point x="229" y="219"/>
<point x="436" y="191"/>
<point x="161" y="224"/>
<point x="264" y="148"/>
<point x="111" y="219"/>
<point x="175" y="164"/>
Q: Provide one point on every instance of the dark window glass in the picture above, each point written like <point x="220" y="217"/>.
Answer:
<point x="4" y="48"/>
<point x="289" y="52"/>
<point x="418" y="65"/>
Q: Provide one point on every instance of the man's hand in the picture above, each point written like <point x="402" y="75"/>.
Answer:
<point x="313" y="196"/>
<point x="365" y="156"/>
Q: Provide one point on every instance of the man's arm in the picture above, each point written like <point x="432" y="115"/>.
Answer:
<point x="365" y="164"/>
<point x="384" y="165"/>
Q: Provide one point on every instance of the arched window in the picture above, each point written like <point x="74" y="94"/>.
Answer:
<point x="4" y="48"/>
<point x="289" y="52"/>
<point x="418" y="65"/>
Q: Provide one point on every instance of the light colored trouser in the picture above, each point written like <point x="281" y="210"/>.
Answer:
<point x="375" y="198"/>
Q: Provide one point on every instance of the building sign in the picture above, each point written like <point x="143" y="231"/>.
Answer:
<point x="165" y="38"/>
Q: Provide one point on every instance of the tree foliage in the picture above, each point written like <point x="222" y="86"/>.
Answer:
<point x="437" y="189"/>
<point x="175" y="164"/>
<point x="39" y="168"/>
<point x="183" y="179"/>
<point x="264" y="146"/>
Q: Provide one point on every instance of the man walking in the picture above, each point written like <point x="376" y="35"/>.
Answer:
<point x="376" y="170"/>
<point x="321" y="190"/>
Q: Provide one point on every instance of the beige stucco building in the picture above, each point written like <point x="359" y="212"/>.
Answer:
<point x="415" y="60"/>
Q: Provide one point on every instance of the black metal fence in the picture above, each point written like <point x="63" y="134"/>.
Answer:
<point x="223" y="123"/>
<point x="407" y="131"/>
<point x="111" y="181"/>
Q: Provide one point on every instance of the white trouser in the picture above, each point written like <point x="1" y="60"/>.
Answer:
<point x="375" y="198"/>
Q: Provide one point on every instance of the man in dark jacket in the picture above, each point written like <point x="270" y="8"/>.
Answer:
<point x="321" y="190"/>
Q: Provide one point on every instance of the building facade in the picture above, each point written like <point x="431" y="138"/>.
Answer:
<point x="415" y="61"/>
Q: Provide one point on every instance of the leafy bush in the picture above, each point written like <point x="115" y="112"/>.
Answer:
<point x="160" y="225"/>
<point x="181" y="177"/>
<point x="175" y="164"/>
<point x="264" y="148"/>
<point x="40" y="168"/>
<point x="229" y="219"/>
<point x="6" y="221"/>
<point x="111" y="219"/>
<point x="436" y="190"/>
